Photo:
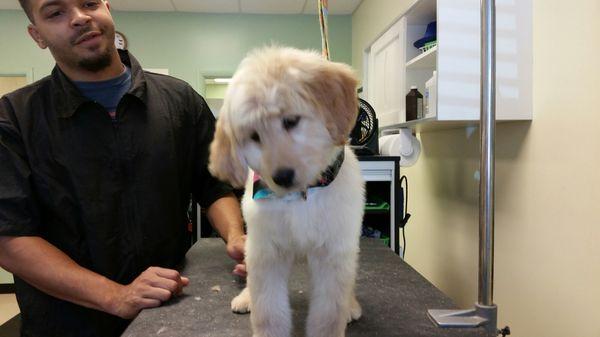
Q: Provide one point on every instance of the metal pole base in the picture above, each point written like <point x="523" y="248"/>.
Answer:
<point x="479" y="316"/>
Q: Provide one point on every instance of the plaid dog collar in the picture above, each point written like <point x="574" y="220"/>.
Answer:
<point x="260" y="190"/>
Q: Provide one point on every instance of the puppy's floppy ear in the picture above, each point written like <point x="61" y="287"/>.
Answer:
<point x="334" y="87"/>
<point x="225" y="162"/>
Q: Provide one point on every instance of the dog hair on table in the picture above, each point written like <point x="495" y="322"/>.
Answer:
<point x="286" y="117"/>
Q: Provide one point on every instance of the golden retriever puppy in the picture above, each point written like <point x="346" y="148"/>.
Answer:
<point x="287" y="115"/>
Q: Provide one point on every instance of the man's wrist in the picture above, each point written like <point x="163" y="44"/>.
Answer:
<point x="110" y="301"/>
<point x="235" y="232"/>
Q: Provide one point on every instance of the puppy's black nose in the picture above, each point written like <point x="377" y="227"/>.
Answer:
<point x="284" y="177"/>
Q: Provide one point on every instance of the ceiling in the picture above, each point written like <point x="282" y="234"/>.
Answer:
<point x="336" y="7"/>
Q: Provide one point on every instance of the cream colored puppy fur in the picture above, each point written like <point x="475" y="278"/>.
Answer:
<point x="291" y="109"/>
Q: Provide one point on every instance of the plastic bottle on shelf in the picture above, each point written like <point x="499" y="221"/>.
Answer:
<point x="431" y="96"/>
<point x="414" y="104"/>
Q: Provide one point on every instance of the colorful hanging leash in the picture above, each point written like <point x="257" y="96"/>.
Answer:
<point x="323" y="12"/>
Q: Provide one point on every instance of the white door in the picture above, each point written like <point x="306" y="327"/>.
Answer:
<point x="385" y="75"/>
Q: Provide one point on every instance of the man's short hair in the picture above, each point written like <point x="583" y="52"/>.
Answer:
<point x="26" y="5"/>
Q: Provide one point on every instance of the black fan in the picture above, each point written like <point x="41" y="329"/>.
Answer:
<point x="363" y="138"/>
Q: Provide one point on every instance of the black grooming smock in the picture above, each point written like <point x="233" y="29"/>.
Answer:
<point x="111" y="194"/>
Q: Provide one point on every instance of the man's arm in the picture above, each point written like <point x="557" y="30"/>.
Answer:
<point x="223" y="208"/>
<point x="47" y="268"/>
<point x="225" y="216"/>
<point x="43" y="265"/>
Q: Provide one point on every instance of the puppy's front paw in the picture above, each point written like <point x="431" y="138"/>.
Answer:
<point x="241" y="303"/>
<point x="355" y="310"/>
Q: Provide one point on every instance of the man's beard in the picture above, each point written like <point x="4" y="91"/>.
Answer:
<point x="96" y="63"/>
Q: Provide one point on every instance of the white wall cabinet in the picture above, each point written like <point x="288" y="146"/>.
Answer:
<point x="393" y="64"/>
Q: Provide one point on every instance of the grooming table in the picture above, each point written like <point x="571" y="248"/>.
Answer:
<point x="393" y="296"/>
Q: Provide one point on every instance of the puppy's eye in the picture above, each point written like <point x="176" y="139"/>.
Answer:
<point x="255" y="137"/>
<point x="290" y="122"/>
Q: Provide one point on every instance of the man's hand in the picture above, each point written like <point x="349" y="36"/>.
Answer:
<point x="235" y="250"/>
<point x="225" y="216"/>
<point x="153" y="287"/>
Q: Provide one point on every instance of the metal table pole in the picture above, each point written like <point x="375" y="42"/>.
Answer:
<point x="485" y="312"/>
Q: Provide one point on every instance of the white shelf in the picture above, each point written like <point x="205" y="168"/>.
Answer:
<point x="433" y="124"/>
<point x="424" y="61"/>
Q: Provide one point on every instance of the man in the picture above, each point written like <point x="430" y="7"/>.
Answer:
<point x="97" y="163"/>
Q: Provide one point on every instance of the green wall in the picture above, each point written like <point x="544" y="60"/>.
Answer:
<point x="18" y="53"/>
<point x="188" y="44"/>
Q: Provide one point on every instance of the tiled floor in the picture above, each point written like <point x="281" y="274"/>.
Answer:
<point x="8" y="307"/>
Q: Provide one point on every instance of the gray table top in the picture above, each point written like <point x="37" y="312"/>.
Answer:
<point x="394" y="298"/>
